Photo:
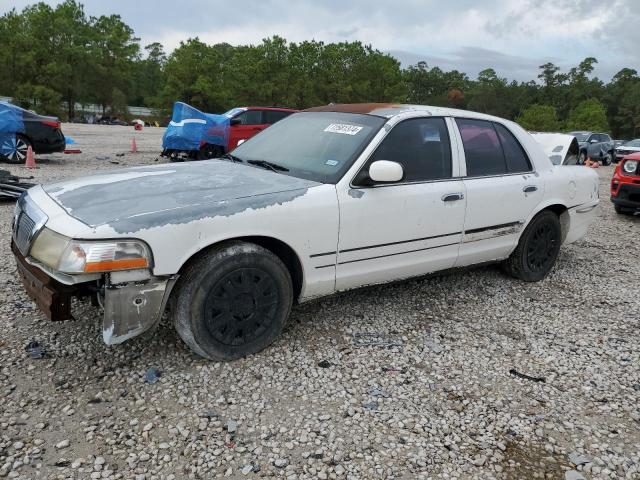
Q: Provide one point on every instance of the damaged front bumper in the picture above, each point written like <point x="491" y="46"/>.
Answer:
<point x="133" y="302"/>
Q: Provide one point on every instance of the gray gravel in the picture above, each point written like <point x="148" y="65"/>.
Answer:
<point x="320" y="403"/>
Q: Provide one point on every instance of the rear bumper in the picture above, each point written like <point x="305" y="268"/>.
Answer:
<point x="51" y="144"/>
<point x="580" y="218"/>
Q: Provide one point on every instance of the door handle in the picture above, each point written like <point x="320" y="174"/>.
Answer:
<point x="529" y="189"/>
<point x="452" y="197"/>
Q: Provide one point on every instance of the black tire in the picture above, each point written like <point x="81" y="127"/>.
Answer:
<point x="232" y="301"/>
<point x="208" y="151"/>
<point x="607" y="159"/>
<point x="582" y="158"/>
<point x="15" y="149"/>
<point x="537" y="249"/>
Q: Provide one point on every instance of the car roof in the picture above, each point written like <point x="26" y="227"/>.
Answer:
<point x="389" y="110"/>
<point x="277" y="109"/>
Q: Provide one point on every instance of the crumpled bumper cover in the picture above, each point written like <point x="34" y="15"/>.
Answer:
<point x="130" y="308"/>
<point x="133" y="308"/>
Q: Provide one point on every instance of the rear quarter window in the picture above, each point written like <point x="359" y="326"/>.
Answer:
<point x="515" y="156"/>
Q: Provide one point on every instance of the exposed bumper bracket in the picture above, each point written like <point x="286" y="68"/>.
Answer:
<point x="133" y="308"/>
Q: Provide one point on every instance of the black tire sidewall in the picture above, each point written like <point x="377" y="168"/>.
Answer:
<point x="204" y="274"/>
<point x="543" y="217"/>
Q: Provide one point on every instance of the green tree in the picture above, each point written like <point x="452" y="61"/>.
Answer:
<point x="114" y="49"/>
<point x="588" y="115"/>
<point x="539" y="118"/>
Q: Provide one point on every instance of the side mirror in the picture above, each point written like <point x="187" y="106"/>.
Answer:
<point x="235" y="121"/>
<point x="385" y="171"/>
<point x="593" y="140"/>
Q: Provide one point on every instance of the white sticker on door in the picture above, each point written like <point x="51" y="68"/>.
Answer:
<point x="343" y="128"/>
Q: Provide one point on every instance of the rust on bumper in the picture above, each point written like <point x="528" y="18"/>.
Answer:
<point x="51" y="296"/>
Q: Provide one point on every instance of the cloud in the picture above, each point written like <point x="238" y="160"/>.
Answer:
<point x="512" y="36"/>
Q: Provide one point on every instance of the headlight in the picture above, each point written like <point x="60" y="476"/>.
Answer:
<point x="630" y="166"/>
<point x="80" y="256"/>
<point x="48" y="247"/>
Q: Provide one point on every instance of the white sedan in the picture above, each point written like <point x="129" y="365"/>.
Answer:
<point x="329" y="199"/>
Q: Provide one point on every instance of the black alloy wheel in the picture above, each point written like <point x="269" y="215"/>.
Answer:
<point x="537" y="249"/>
<point x="542" y="247"/>
<point x="232" y="300"/>
<point x="241" y="306"/>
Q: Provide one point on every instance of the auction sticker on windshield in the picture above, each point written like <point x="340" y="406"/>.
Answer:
<point x="343" y="128"/>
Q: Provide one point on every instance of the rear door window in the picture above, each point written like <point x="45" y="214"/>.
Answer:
<point x="482" y="148"/>
<point x="491" y="149"/>
<point x="250" y="117"/>
<point x="272" y="116"/>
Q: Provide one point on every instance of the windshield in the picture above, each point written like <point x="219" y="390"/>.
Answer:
<point x="233" y="112"/>
<point x="581" y="136"/>
<point x="317" y="146"/>
<point x="633" y="143"/>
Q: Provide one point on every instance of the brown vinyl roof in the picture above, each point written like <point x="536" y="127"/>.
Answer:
<point x="371" y="108"/>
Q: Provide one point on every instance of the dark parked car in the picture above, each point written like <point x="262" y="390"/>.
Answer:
<point x="597" y="146"/>
<point x="627" y="148"/>
<point x="21" y="129"/>
<point x="111" y="121"/>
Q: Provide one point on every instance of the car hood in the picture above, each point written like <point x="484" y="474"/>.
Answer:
<point x="628" y="149"/>
<point x="132" y="199"/>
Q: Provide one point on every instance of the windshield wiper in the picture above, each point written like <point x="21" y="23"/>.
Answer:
<point x="233" y="158"/>
<point x="270" y="165"/>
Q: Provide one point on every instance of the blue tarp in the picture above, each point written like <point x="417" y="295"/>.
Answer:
<point x="10" y="118"/>
<point x="190" y="128"/>
<point x="10" y="124"/>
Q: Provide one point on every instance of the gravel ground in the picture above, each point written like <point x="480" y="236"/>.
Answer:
<point x="433" y="397"/>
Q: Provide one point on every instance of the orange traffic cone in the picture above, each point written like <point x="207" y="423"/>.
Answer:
<point x="31" y="158"/>
<point x="134" y="147"/>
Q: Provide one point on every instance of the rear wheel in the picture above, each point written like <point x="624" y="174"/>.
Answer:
<point x="208" y="151"/>
<point x="14" y="150"/>
<point x="537" y="249"/>
<point x="233" y="301"/>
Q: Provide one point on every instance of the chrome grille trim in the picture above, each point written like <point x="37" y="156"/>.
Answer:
<point x="28" y="220"/>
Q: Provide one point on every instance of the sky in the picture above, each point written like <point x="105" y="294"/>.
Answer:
<point x="514" y="37"/>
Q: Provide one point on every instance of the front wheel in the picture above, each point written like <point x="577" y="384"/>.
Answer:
<point x="14" y="148"/>
<point x="607" y="159"/>
<point x="537" y="249"/>
<point x="232" y="301"/>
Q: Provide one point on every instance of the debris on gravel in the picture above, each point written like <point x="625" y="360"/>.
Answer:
<point x="414" y="381"/>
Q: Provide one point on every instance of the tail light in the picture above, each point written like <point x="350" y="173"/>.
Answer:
<point x="51" y="123"/>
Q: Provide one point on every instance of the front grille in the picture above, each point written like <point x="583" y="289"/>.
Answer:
<point x="23" y="232"/>
<point x="28" y="221"/>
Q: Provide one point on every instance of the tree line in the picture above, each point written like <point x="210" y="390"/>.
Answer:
<point x="55" y="57"/>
